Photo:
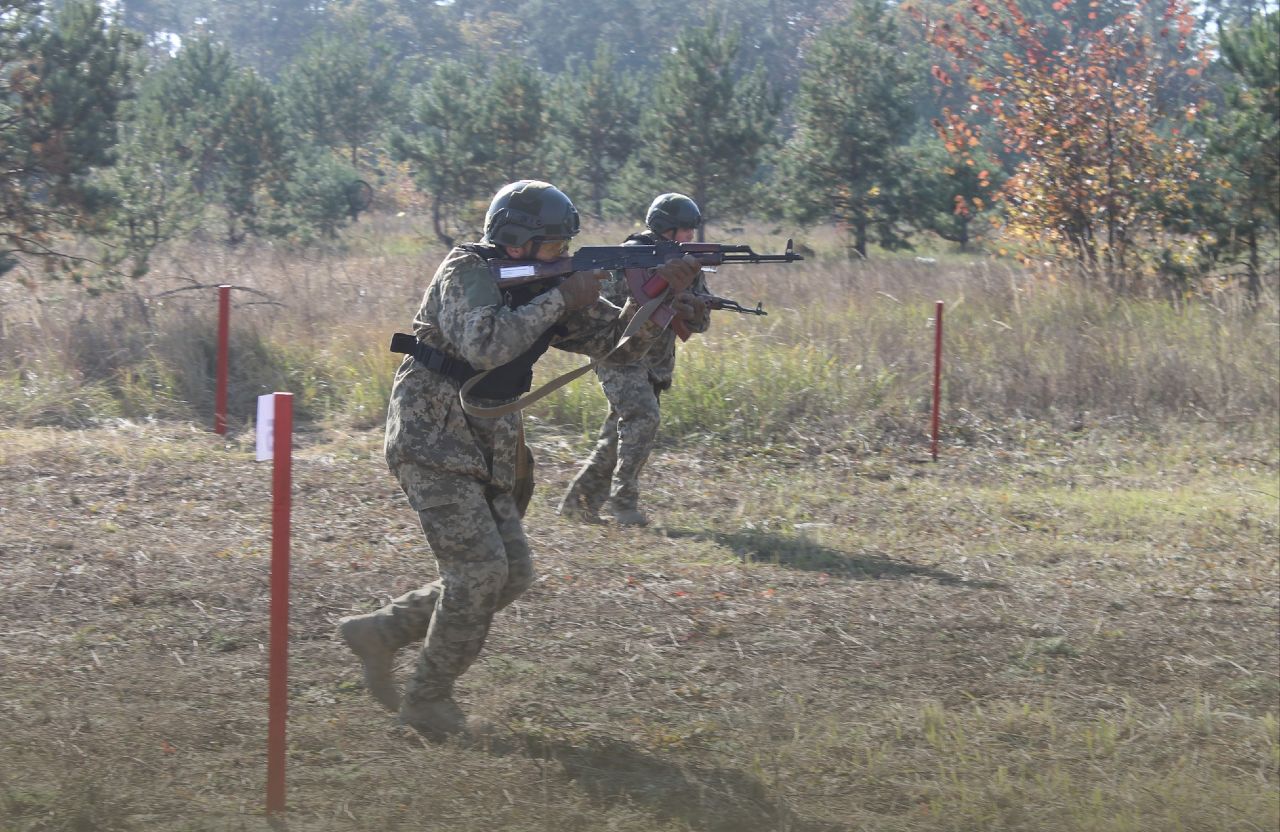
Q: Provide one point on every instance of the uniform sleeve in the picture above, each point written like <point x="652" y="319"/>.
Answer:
<point x="614" y="288"/>
<point x="702" y="323"/>
<point x="486" y="332"/>
<point x="595" y="330"/>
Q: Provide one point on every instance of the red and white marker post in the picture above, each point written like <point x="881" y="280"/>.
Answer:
<point x="275" y="442"/>
<point x="937" y="379"/>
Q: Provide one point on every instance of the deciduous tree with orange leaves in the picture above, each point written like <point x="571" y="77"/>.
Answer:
<point x="1077" y="96"/>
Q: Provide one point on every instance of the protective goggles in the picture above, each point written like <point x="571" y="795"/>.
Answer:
<point x="552" y="246"/>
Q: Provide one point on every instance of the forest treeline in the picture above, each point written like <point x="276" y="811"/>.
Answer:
<point x="1133" y="142"/>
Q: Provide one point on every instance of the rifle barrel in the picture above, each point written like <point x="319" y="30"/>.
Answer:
<point x="516" y="272"/>
<point x="762" y="258"/>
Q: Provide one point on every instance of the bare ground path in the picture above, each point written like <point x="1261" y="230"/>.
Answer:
<point x="1067" y="635"/>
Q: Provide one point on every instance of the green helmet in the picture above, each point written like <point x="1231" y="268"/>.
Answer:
<point x="670" y="211"/>
<point x="527" y="209"/>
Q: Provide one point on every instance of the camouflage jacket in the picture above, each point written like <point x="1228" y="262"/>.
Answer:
<point x="660" y="360"/>
<point x="428" y="436"/>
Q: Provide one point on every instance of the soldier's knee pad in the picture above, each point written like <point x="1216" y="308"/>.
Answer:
<point x="642" y="425"/>
<point x="640" y="408"/>
<point x="476" y="588"/>
<point x="518" y="582"/>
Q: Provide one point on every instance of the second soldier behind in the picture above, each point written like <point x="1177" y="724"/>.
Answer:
<point x="610" y="478"/>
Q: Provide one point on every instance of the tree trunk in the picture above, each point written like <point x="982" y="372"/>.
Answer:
<point x="597" y="184"/>
<point x="437" y="223"/>
<point x="1254" y="287"/>
<point x="700" y="197"/>
<point x="597" y="196"/>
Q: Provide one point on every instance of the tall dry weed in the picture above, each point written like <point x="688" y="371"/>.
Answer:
<point x="846" y="351"/>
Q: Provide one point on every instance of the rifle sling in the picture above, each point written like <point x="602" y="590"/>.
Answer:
<point x="638" y="320"/>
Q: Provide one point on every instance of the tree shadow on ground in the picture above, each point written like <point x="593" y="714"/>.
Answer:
<point x="707" y="799"/>
<point x="799" y="552"/>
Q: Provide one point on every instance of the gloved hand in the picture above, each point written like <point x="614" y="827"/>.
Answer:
<point x="689" y="308"/>
<point x="581" y="289"/>
<point x="679" y="274"/>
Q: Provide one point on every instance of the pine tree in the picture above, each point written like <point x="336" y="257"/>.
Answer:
<point x="63" y="79"/>
<point x="156" y="198"/>
<point x="254" y="157"/>
<point x="265" y="35"/>
<point x="854" y="112"/>
<point x="1242" y="203"/>
<point x="945" y="195"/>
<point x="594" y="110"/>
<point x="339" y="92"/>
<point x="322" y="194"/>
<point x="445" y="142"/>
<point x="191" y="94"/>
<point x="710" y="123"/>
<point x="513" y="121"/>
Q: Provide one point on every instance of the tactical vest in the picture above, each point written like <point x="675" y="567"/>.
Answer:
<point x="516" y="376"/>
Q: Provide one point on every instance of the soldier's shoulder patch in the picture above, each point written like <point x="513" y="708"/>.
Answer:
<point x="471" y="273"/>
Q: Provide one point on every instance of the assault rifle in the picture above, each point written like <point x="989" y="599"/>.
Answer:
<point x="713" y="303"/>
<point x="637" y="262"/>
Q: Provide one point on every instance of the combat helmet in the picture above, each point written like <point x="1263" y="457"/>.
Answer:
<point x="670" y="211"/>
<point x="526" y="210"/>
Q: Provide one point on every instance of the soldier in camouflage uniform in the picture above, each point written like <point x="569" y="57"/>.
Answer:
<point x="459" y="471"/>
<point x="611" y="475"/>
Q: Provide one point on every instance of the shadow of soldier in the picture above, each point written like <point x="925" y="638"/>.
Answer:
<point x="796" y="551"/>
<point x="610" y="770"/>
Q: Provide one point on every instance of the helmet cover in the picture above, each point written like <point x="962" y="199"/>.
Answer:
<point x="527" y="209"/>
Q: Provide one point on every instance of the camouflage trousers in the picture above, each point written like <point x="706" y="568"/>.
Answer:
<point x="484" y="564"/>
<point x="626" y="439"/>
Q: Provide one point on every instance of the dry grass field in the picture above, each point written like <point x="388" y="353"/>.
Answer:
<point x="1069" y="622"/>
<point x="1075" y="636"/>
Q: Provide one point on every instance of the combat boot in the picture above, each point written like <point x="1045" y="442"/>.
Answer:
<point x="363" y="634"/>
<point x="575" y="506"/>
<point x="435" y="719"/>
<point x="375" y="637"/>
<point x="627" y="515"/>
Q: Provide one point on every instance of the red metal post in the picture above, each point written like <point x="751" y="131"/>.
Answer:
<point x="937" y="379"/>
<point x="278" y="680"/>
<point x="224" y="331"/>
